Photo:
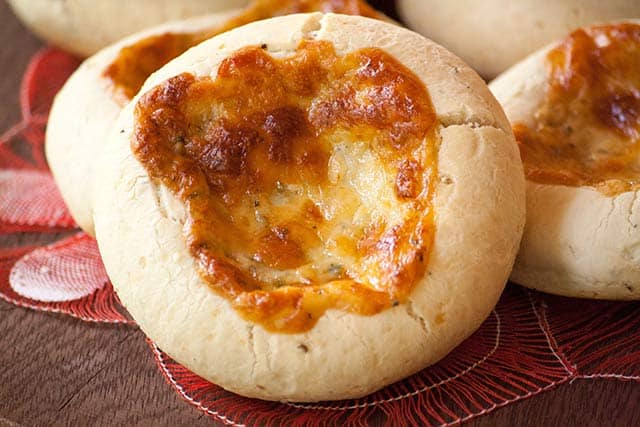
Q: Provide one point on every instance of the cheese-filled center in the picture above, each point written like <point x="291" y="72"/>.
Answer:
<point x="307" y="180"/>
<point x="587" y="130"/>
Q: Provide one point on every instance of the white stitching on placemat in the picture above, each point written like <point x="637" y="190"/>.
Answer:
<point x="606" y="376"/>
<point x="199" y="405"/>
<point x="547" y="334"/>
<point x="13" y="131"/>
<point x="507" y="402"/>
<point x="57" y="310"/>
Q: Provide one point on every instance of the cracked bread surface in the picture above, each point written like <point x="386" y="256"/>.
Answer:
<point x="479" y="216"/>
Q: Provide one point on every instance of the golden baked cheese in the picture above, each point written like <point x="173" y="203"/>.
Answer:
<point x="586" y="132"/>
<point x="314" y="194"/>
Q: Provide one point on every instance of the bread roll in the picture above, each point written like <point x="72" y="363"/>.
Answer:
<point x="310" y="207"/>
<point x="83" y="27"/>
<point x="494" y="34"/>
<point x="575" y="108"/>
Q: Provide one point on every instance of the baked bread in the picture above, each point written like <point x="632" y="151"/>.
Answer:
<point x="85" y="109"/>
<point x="575" y="108"/>
<point x="310" y="207"/>
<point x="495" y="34"/>
<point x="84" y="27"/>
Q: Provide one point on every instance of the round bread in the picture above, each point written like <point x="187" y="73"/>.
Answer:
<point x="86" y="107"/>
<point x="581" y="237"/>
<point x="477" y="211"/>
<point x="85" y="110"/>
<point x="496" y="34"/>
<point x="84" y="27"/>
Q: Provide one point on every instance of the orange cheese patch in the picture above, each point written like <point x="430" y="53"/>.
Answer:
<point x="282" y="215"/>
<point x="587" y="130"/>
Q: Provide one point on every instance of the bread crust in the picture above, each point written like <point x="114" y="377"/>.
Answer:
<point x="83" y="113"/>
<point x="495" y="34"/>
<point x="578" y="242"/>
<point x="479" y="205"/>
<point x="84" y="27"/>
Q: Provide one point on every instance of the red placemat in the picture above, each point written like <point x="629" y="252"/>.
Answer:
<point x="532" y="342"/>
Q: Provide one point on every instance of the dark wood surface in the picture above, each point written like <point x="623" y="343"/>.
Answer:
<point x="55" y="370"/>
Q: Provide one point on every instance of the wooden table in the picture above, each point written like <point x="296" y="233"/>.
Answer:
<point x="58" y="370"/>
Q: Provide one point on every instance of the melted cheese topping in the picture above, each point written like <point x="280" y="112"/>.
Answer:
<point x="587" y="130"/>
<point x="307" y="181"/>
<point x="136" y="62"/>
